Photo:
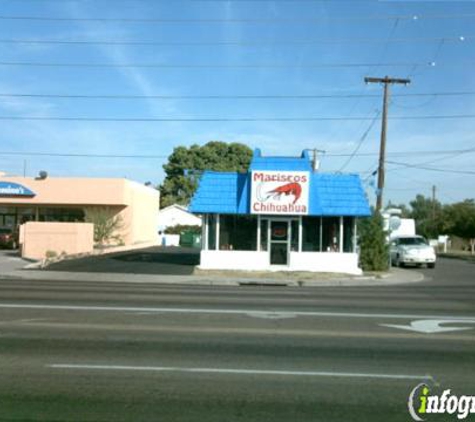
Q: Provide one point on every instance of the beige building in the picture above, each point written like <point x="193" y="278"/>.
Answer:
<point x="66" y="200"/>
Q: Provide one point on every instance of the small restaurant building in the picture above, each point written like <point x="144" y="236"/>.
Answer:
<point x="281" y="215"/>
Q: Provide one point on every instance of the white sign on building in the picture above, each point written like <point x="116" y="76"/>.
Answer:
<point x="280" y="192"/>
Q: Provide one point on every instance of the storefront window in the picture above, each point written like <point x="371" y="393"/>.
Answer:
<point x="8" y="217"/>
<point x="311" y="234"/>
<point x="330" y="234"/>
<point x="348" y="234"/>
<point x="294" y="241"/>
<point x="238" y="233"/>
<point x="212" y="232"/>
<point x="264" y="234"/>
<point x="70" y="215"/>
<point x="9" y="221"/>
<point x="26" y="214"/>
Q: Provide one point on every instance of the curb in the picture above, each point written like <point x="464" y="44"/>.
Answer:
<point x="390" y="279"/>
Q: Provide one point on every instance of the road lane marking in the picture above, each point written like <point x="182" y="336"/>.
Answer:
<point x="430" y="326"/>
<point x="230" y="312"/>
<point x="23" y="321"/>
<point x="272" y="315"/>
<point x="239" y="371"/>
<point x="89" y="328"/>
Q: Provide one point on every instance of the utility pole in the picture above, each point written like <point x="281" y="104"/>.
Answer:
<point x="382" y="149"/>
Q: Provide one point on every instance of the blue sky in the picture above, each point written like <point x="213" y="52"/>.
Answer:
<point x="282" y="43"/>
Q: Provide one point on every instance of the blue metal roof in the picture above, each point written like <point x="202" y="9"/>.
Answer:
<point x="330" y="194"/>
<point x="222" y="193"/>
<point x="302" y="163"/>
<point x="337" y="194"/>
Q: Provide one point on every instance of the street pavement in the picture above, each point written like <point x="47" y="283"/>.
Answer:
<point x="11" y="262"/>
<point x="153" y="260"/>
<point x="117" y="351"/>
<point x="177" y="266"/>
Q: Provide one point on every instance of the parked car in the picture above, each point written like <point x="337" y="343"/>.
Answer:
<point x="411" y="250"/>
<point x="8" y="238"/>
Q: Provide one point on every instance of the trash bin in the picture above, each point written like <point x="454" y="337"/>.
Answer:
<point x="188" y="239"/>
<point x="196" y="240"/>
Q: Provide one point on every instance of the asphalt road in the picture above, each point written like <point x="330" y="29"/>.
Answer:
<point x="142" y="352"/>
<point x="155" y="260"/>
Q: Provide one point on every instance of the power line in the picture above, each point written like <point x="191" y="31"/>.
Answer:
<point x="237" y="43"/>
<point x="72" y="155"/>
<point x="415" y="166"/>
<point x="362" y="139"/>
<point x="209" y="1"/>
<point x="230" y="119"/>
<point x="152" y="156"/>
<point x="235" y="66"/>
<point x="391" y="34"/>
<point x="230" y="96"/>
<point x="240" y="20"/>
<point x="447" y="156"/>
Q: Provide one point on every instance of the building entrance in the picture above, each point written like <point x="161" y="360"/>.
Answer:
<point x="279" y="242"/>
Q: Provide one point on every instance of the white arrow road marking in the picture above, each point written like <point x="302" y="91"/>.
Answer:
<point x="429" y="326"/>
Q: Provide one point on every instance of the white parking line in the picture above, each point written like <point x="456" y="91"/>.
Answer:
<point x="246" y="312"/>
<point x="239" y="371"/>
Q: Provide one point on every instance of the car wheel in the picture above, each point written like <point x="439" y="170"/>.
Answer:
<point x="398" y="262"/>
<point x="432" y="265"/>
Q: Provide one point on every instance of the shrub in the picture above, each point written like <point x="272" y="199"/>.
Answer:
<point x="51" y="254"/>
<point x="374" y="249"/>
<point x="106" y="223"/>
<point x="179" y="229"/>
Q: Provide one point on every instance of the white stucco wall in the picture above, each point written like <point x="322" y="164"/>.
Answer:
<point x="234" y="260"/>
<point x="169" y="240"/>
<point x="334" y="262"/>
<point x="175" y="215"/>
<point x="346" y="263"/>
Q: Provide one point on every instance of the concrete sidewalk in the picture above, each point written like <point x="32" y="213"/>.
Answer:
<point x="10" y="262"/>
<point x="395" y="277"/>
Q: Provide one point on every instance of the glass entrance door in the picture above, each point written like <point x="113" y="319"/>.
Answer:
<point x="279" y="242"/>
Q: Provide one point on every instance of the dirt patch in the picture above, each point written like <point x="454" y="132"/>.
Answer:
<point x="275" y="275"/>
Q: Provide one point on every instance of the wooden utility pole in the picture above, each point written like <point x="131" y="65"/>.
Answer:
<point x="382" y="150"/>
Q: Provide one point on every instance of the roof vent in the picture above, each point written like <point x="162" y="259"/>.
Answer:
<point x="42" y="175"/>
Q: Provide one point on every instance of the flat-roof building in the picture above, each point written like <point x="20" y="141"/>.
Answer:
<point x="54" y="199"/>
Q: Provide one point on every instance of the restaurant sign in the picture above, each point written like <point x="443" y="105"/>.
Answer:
<point x="280" y="192"/>
<point x="14" y="190"/>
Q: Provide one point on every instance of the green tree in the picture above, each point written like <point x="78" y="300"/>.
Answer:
<point x="460" y="220"/>
<point x="428" y="215"/>
<point x="185" y="165"/>
<point x="374" y="250"/>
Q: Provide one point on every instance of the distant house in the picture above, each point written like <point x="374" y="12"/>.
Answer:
<point x="175" y="215"/>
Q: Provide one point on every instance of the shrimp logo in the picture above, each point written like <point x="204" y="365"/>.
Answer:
<point x="280" y="193"/>
<point x="285" y="190"/>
